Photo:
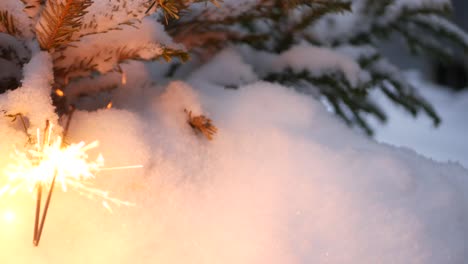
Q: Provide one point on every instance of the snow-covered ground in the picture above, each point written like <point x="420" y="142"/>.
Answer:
<point x="448" y="142"/>
<point x="282" y="182"/>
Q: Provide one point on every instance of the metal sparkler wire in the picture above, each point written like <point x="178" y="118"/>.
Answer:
<point x="39" y="225"/>
<point x="38" y="232"/>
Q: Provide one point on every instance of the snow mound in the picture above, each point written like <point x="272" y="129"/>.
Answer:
<point x="282" y="182"/>
<point x="444" y="143"/>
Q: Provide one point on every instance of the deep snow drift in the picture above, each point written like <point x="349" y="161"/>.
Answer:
<point x="282" y="182"/>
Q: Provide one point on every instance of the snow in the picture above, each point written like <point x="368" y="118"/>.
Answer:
<point x="20" y="18"/>
<point x="32" y="99"/>
<point x="337" y="27"/>
<point x="445" y="143"/>
<point x="107" y="49"/>
<point x="282" y="182"/>
<point x="220" y="70"/>
<point x="99" y="19"/>
<point x="320" y="61"/>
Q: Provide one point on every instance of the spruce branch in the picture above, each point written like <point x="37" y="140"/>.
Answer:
<point x="376" y="8"/>
<point x="7" y="24"/>
<point x="424" y="43"/>
<point x="201" y="124"/>
<point x="113" y="56"/>
<point x="33" y="3"/>
<point x="320" y="10"/>
<point x="33" y="7"/>
<point x="59" y="21"/>
<point x="172" y="9"/>
<point x="439" y="26"/>
<point x="169" y="53"/>
<point x="333" y="87"/>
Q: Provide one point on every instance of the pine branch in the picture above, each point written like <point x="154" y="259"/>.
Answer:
<point x="376" y="9"/>
<point x="319" y="11"/>
<point x="33" y="3"/>
<point x="293" y="4"/>
<point x="347" y="102"/>
<point x="85" y="66"/>
<point x="401" y="92"/>
<point x="377" y="31"/>
<point x="173" y="8"/>
<point x="59" y="21"/>
<point x="442" y="28"/>
<point x="423" y="43"/>
<point x="33" y="7"/>
<point x="201" y="124"/>
<point x="7" y="24"/>
<point x="169" y="53"/>
<point x="79" y="68"/>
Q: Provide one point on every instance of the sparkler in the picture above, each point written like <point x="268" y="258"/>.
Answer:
<point x="50" y="161"/>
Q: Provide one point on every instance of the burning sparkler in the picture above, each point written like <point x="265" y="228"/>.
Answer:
<point x="50" y="161"/>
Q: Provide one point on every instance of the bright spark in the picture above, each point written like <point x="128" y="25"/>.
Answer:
<point x="123" y="78"/>
<point x="59" y="93"/>
<point x="38" y="164"/>
<point x="109" y="105"/>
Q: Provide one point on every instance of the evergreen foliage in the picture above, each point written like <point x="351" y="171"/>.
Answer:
<point x="84" y="41"/>
<point x="73" y="38"/>
<point x="277" y="26"/>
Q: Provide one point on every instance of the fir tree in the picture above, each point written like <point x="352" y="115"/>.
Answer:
<point x="350" y="29"/>
<point x="339" y="40"/>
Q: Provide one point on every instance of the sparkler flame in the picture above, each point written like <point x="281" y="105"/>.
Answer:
<point x="59" y="93"/>
<point x="48" y="157"/>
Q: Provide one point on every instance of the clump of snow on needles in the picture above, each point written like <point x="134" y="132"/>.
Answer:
<point x="33" y="97"/>
<point x="319" y="60"/>
<point x="282" y="182"/>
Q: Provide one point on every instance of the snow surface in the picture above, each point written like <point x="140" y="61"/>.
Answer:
<point x="283" y="182"/>
<point x="448" y="142"/>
